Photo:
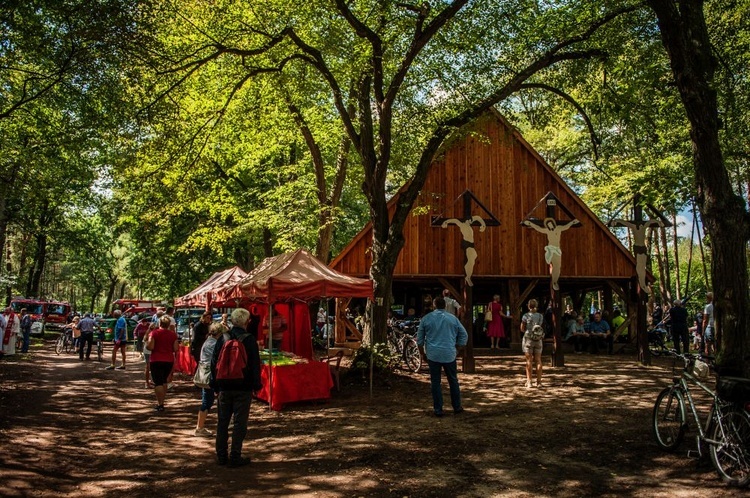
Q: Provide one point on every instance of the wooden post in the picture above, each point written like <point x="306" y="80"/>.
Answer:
<point x="515" y="322"/>
<point x="469" y="366"/>
<point x="558" y="357"/>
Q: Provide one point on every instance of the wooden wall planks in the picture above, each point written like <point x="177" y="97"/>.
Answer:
<point x="509" y="178"/>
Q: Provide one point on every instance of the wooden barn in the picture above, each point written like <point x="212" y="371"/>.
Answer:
<point x="489" y="175"/>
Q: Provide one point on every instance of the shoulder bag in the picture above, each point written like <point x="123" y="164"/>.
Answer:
<point x="202" y="377"/>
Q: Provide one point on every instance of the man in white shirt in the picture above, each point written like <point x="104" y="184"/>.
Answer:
<point x="451" y="305"/>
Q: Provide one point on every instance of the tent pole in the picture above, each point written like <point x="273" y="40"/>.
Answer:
<point x="270" y="354"/>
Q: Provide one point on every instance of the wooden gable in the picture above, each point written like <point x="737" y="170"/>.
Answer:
<point x="508" y="177"/>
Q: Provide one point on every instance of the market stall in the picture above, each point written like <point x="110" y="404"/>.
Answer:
<point x="203" y="296"/>
<point x="279" y="289"/>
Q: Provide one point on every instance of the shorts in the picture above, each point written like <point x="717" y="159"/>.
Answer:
<point x="160" y="371"/>
<point x="120" y="344"/>
<point x="708" y="334"/>
<point x="532" y="347"/>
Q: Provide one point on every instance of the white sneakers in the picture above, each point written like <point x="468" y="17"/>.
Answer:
<point x="203" y="432"/>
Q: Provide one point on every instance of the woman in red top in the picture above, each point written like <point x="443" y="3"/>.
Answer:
<point x="163" y="343"/>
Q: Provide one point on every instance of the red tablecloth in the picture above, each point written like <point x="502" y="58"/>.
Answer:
<point x="304" y="381"/>
<point x="184" y="363"/>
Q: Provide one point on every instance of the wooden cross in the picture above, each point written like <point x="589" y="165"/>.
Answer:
<point x="466" y="225"/>
<point x="638" y="227"/>
<point x="553" y="229"/>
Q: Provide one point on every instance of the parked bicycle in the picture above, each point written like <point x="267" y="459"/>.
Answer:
<point x="658" y="337"/>
<point x="726" y="430"/>
<point x="64" y="342"/>
<point x="403" y="344"/>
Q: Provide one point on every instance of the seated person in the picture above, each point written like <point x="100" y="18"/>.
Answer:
<point x="617" y="320"/>
<point x="600" y="334"/>
<point x="576" y="333"/>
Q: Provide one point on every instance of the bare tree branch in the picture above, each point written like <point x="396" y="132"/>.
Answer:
<point x="592" y="133"/>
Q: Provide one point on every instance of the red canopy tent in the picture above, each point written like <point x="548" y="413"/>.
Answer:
<point x="295" y="275"/>
<point x="205" y="294"/>
<point x="282" y="285"/>
<point x="282" y="280"/>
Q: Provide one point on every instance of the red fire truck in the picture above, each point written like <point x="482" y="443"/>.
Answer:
<point x="49" y="313"/>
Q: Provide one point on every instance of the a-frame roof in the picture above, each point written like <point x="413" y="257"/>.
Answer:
<point x="493" y="161"/>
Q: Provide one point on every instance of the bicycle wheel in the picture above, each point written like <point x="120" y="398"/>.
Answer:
<point x="99" y="351"/>
<point x="59" y="344"/>
<point x="669" y="418"/>
<point x="731" y="456"/>
<point x="412" y="358"/>
<point x="68" y="344"/>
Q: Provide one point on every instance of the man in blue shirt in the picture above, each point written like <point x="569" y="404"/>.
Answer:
<point x="120" y="340"/>
<point x="600" y="334"/>
<point x="438" y="336"/>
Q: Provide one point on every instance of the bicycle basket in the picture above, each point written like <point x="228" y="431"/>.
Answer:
<point x="700" y="370"/>
<point x="733" y="389"/>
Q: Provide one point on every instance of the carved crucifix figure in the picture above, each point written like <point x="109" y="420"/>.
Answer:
<point x="466" y="225"/>
<point x="639" y="229"/>
<point x="467" y="231"/>
<point x="552" y="251"/>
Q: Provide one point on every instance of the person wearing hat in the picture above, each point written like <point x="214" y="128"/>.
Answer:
<point x="678" y="315"/>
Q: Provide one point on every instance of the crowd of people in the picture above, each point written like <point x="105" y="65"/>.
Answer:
<point x="231" y="353"/>
<point x="15" y="331"/>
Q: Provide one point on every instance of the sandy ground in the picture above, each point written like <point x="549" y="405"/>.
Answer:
<point x="70" y="428"/>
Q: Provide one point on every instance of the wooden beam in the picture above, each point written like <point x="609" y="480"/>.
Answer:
<point x="618" y="290"/>
<point x="519" y="302"/>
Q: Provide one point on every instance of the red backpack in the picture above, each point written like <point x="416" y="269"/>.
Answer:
<point x="232" y="361"/>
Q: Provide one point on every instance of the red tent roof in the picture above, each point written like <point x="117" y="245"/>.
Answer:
<point x="205" y="293"/>
<point x="295" y="275"/>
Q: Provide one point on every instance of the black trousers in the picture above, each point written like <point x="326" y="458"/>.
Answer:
<point x="86" y="339"/>
<point x="680" y="335"/>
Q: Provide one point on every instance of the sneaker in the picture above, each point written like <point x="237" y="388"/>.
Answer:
<point x="459" y="411"/>
<point x="239" y="462"/>
<point x="438" y="414"/>
<point x="203" y="432"/>
<point x="222" y="460"/>
<point x="159" y="408"/>
<point x="121" y="367"/>
<point x="170" y="386"/>
<point x="110" y="368"/>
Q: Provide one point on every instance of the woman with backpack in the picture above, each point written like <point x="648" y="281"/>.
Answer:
<point x="533" y="333"/>
<point x="163" y="344"/>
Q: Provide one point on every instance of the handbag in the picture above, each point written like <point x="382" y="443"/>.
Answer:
<point x="488" y="315"/>
<point x="202" y="377"/>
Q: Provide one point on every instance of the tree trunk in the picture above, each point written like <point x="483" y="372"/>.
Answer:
<point x="660" y="263"/>
<point x="110" y="293"/>
<point x="37" y="268"/>
<point x="685" y="37"/>
<point x="676" y="248"/>
<point x="384" y="257"/>
<point x="666" y="297"/>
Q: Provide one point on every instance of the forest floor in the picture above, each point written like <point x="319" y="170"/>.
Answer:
<point x="70" y="428"/>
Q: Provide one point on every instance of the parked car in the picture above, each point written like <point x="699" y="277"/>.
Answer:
<point x="107" y="325"/>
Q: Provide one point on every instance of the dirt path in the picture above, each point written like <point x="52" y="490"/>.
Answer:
<point x="69" y="428"/>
